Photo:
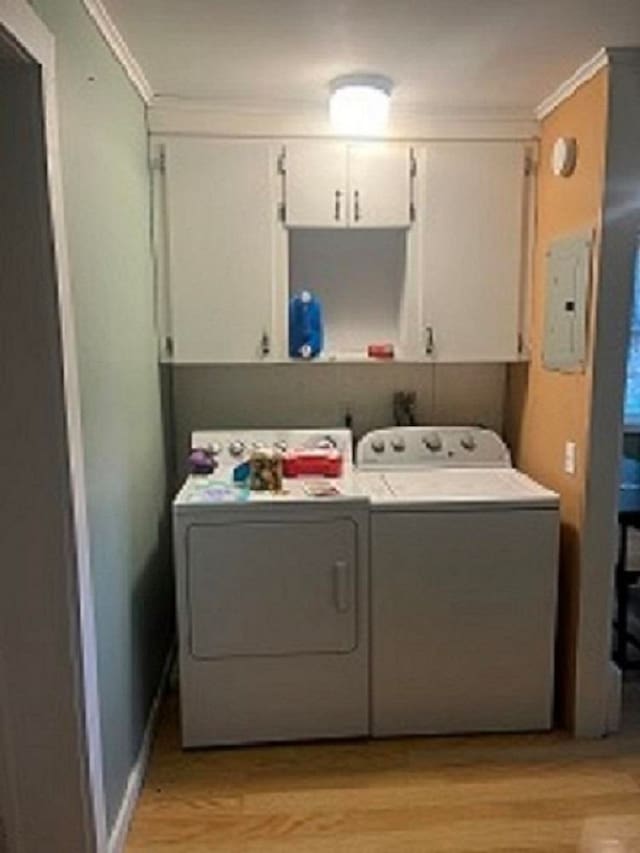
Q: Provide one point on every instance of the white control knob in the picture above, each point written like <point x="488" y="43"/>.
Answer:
<point x="236" y="448"/>
<point x="214" y="447"/>
<point x="377" y="445"/>
<point x="281" y="446"/>
<point x="398" y="444"/>
<point x="432" y="442"/>
<point x="468" y="442"/>
<point x="257" y="445"/>
<point x="327" y="442"/>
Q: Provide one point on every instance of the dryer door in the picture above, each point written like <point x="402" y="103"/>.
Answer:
<point x="272" y="588"/>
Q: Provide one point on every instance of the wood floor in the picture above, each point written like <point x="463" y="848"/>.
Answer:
<point x="434" y="795"/>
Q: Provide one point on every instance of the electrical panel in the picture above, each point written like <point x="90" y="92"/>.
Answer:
<point x="566" y="305"/>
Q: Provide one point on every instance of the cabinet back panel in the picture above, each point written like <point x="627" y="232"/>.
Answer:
<point x="359" y="275"/>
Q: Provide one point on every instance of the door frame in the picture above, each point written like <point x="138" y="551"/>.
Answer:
<point x="19" y="20"/>
<point x="597" y="686"/>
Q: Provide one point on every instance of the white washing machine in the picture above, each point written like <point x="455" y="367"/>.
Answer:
<point x="464" y="574"/>
<point x="272" y="600"/>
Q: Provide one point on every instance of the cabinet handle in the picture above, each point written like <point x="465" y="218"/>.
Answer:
<point x="265" y="344"/>
<point x="341" y="591"/>
<point x="356" y="206"/>
<point x="429" y="340"/>
<point x="338" y="211"/>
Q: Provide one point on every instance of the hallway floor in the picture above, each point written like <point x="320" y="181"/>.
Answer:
<point x="485" y="793"/>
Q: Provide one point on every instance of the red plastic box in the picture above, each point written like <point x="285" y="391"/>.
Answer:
<point x="312" y="463"/>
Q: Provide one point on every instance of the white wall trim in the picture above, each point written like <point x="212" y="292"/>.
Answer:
<point x="119" y="48"/>
<point x="567" y="88"/>
<point x="88" y="642"/>
<point x="195" y="117"/>
<point x="118" y="837"/>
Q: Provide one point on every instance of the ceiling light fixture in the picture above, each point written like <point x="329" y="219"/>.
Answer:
<point x="359" y="104"/>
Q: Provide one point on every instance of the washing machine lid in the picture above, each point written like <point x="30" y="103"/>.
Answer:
<point x="457" y="488"/>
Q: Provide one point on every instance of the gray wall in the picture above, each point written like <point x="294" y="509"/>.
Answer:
<point x="298" y="395"/>
<point x="106" y="186"/>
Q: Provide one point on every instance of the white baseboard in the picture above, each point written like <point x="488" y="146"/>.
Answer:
<point x="614" y="699"/>
<point x="120" y="829"/>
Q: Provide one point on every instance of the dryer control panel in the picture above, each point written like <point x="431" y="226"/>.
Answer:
<point x="419" y="447"/>
<point x="231" y="447"/>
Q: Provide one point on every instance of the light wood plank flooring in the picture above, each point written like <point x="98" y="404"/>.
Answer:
<point x="433" y="795"/>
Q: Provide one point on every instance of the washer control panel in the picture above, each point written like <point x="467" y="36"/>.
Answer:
<point x="460" y="447"/>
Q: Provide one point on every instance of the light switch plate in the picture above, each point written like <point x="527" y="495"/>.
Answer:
<point x="570" y="457"/>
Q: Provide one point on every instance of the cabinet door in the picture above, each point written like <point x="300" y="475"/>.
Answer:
<point x="220" y="220"/>
<point x="379" y="185"/>
<point x="316" y="185"/>
<point x="472" y="223"/>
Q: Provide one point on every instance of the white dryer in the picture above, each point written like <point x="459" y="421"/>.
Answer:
<point x="272" y="600"/>
<point x="464" y="574"/>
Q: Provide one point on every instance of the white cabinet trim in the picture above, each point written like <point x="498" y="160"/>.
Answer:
<point x="192" y="117"/>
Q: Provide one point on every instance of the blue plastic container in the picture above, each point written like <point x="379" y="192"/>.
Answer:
<point x="306" y="327"/>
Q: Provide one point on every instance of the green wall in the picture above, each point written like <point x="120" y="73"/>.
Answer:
<point x="106" y="187"/>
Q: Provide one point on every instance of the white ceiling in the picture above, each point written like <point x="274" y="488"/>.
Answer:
<point x="446" y="56"/>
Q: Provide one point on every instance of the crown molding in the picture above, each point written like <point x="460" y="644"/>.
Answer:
<point x="581" y="76"/>
<point x="118" y="46"/>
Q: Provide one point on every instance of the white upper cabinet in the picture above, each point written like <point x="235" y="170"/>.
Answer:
<point x="472" y="226"/>
<point x="340" y="185"/>
<point x="380" y="185"/>
<point x="220" y="221"/>
<point x="316" y="185"/>
<point x="447" y="287"/>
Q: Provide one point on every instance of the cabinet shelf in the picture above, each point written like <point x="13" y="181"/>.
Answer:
<point x="360" y="277"/>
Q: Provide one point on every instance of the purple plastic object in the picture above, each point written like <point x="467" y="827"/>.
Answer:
<point x="201" y="461"/>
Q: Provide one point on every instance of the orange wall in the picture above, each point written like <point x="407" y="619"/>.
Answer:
<point x="547" y="408"/>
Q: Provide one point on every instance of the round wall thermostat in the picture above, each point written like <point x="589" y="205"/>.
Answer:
<point x="564" y="156"/>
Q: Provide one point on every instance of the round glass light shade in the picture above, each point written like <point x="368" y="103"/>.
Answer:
<point x="359" y="106"/>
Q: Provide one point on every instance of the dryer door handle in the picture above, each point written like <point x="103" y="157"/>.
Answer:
<point x="341" y="586"/>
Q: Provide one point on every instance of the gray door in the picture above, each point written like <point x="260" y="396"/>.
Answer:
<point x="272" y="588"/>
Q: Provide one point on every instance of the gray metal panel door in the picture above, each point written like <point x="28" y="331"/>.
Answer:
<point x="272" y="588"/>
<point x="463" y="620"/>
<point x="566" y="306"/>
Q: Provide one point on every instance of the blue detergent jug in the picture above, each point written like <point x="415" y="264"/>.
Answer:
<point x="306" y="332"/>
